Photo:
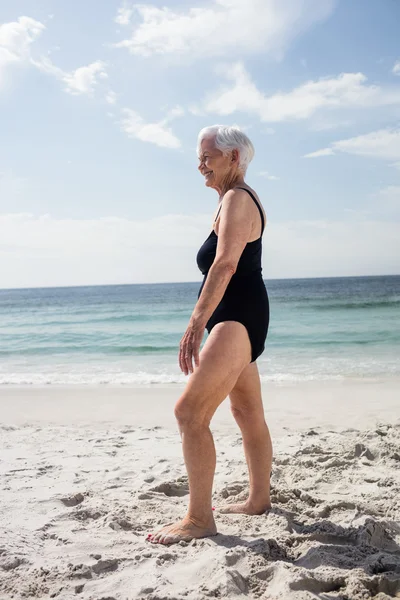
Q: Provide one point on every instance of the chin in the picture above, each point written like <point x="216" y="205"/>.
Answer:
<point x="209" y="182"/>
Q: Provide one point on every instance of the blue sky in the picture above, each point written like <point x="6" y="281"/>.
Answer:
<point x="101" y="103"/>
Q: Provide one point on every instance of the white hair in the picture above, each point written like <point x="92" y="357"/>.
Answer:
<point x="228" y="139"/>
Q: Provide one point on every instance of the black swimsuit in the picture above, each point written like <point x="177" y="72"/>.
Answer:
<point x="245" y="299"/>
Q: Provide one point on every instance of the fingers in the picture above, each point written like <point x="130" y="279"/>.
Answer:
<point x="189" y="351"/>
<point x="188" y="360"/>
<point x="186" y="357"/>
<point x="189" y="364"/>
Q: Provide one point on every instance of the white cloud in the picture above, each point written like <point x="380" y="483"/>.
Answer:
<point x="396" y="68"/>
<point x="268" y="176"/>
<point x="175" y="112"/>
<point x="15" y="40"/>
<point x="323" y="152"/>
<point x="111" y="97"/>
<point x="84" y="79"/>
<point x="80" y="81"/>
<point x="338" y="248"/>
<point x="348" y="90"/>
<point x="37" y="251"/>
<point x="124" y="15"/>
<point x="155" y="133"/>
<point x="222" y="27"/>
<point x="383" y="144"/>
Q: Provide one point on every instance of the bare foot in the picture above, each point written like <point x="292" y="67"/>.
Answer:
<point x="245" y="508"/>
<point x="185" y="530"/>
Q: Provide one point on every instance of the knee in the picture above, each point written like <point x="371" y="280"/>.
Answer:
<point x="239" y="412"/>
<point x="189" y="413"/>
<point x="246" y="413"/>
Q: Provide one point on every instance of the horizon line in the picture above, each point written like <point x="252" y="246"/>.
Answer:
<point x="55" y="287"/>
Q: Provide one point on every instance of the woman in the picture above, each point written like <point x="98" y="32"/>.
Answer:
<point x="233" y="306"/>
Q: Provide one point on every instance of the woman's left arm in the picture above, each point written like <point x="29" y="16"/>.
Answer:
<point x="235" y="227"/>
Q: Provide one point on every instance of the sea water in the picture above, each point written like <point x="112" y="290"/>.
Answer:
<point x="320" y="329"/>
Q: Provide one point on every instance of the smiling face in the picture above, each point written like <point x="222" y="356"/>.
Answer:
<point x="218" y="169"/>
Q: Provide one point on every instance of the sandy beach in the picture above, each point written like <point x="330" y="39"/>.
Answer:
<point x="87" y="472"/>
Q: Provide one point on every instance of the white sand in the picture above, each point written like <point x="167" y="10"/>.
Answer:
<point x="87" y="473"/>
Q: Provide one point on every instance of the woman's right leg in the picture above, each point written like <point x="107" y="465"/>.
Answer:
<point x="247" y="408"/>
<point x="225" y="354"/>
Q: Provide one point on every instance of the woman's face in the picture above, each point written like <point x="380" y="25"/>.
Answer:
<point x="217" y="168"/>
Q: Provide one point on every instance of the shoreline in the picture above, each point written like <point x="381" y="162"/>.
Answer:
<point x="356" y="404"/>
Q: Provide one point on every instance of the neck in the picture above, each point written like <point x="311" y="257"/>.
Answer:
<point x="229" y="184"/>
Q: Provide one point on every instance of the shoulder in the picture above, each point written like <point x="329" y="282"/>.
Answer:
<point x="236" y="197"/>
<point x="244" y="203"/>
<point x="245" y="193"/>
<point x="236" y="193"/>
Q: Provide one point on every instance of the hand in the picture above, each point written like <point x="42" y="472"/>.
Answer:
<point x="189" y="347"/>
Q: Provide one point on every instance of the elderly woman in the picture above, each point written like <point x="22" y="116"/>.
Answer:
<point x="233" y="306"/>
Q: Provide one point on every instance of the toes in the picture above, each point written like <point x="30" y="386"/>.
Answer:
<point x="158" y="537"/>
<point x="170" y="539"/>
<point x="155" y="537"/>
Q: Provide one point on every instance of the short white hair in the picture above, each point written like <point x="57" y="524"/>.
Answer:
<point x="228" y="139"/>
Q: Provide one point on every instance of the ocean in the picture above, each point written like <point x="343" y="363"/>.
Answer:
<point x="320" y="329"/>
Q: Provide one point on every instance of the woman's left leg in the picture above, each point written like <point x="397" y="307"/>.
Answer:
<point x="225" y="354"/>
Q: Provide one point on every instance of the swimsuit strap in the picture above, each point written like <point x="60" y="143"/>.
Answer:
<point x="257" y="203"/>
<point x="258" y="206"/>
<point x="219" y="210"/>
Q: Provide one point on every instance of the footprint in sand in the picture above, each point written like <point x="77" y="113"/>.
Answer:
<point x="362" y="451"/>
<point x="105" y="566"/>
<point x="232" y="490"/>
<point x="85" y="515"/>
<point x="232" y="557"/>
<point x="374" y="533"/>
<point x="79" y="588"/>
<point x="383" y="587"/>
<point x="172" y="488"/>
<point x="166" y="557"/>
<point x="118" y="523"/>
<point x="318" y="586"/>
<point x="45" y="469"/>
<point x="73" y="500"/>
<point x="80" y="571"/>
<point x="146" y="496"/>
<point x="9" y="563"/>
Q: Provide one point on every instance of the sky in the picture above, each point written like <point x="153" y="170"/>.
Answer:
<point x="101" y="104"/>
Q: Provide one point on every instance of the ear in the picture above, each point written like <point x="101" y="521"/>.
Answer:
<point x="235" y="156"/>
